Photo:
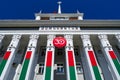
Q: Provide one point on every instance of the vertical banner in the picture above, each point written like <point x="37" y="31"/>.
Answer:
<point x="48" y="65"/>
<point x="25" y="65"/>
<point x="94" y="65"/>
<point x="70" y="59"/>
<point x="49" y="59"/>
<point x="71" y="64"/>
<point x="115" y="60"/>
<point x="4" y="61"/>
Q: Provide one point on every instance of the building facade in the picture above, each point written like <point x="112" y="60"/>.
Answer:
<point x="59" y="46"/>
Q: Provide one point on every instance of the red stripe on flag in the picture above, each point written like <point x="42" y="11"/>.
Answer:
<point x="28" y="54"/>
<point x="7" y="54"/>
<point x="49" y="59"/>
<point x="70" y="58"/>
<point x="92" y="58"/>
<point x="112" y="54"/>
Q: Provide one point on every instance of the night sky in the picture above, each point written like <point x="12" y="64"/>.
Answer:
<point x="92" y="9"/>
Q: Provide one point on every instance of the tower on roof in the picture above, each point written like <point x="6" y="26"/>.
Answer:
<point x="59" y="15"/>
<point x="59" y="7"/>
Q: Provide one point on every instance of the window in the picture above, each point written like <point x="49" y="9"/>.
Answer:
<point x="76" y="51"/>
<point x="79" y="68"/>
<point x="41" y="68"/>
<point x="60" y="52"/>
<point x="43" y="51"/>
<point x="59" y="17"/>
<point x="99" y="52"/>
<point x="60" y="69"/>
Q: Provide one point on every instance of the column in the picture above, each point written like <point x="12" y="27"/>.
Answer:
<point x="91" y="59"/>
<point x="110" y="56"/>
<point x="70" y="59"/>
<point x="28" y="59"/>
<point x="8" y="57"/>
<point x="49" y="59"/>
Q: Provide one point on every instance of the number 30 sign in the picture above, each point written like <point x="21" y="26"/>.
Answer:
<point x="59" y="42"/>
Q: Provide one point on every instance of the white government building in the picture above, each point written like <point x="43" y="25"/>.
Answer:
<point x="59" y="46"/>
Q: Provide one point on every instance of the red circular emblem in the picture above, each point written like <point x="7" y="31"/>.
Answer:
<point x="59" y="42"/>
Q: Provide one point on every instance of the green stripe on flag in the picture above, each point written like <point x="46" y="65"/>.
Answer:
<point x="72" y="73"/>
<point x="24" y="70"/>
<point x="117" y="65"/>
<point x="48" y="73"/>
<point x="96" y="72"/>
<point x="2" y="65"/>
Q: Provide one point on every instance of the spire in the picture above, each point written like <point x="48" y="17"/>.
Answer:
<point x="59" y="7"/>
<point x="40" y="11"/>
<point x="78" y="12"/>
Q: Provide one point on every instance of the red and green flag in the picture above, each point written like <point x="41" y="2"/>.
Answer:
<point x="48" y="63"/>
<point x="4" y="61"/>
<point x="94" y="65"/>
<point x="115" y="60"/>
<point x="71" y="65"/>
<point x="25" y="65"/>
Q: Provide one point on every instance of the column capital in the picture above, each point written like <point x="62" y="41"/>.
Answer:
<point x="68" y="36"/>
<point x="1" y="36"/>
<point x="17" y="36"/>
<point x="50" y="42"/>
<point x="102" y="36"/>
<point x="117" y="36"/>
<point x="34" y="36"/>
<point x="50" y="36"/>
<point x="69" y="39"/>
<point x="85" y="36"/>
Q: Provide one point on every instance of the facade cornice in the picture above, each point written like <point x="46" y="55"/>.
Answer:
<point x="62" y="23"/>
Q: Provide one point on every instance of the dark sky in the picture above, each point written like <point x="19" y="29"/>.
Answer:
<point x="92" y="9"/>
